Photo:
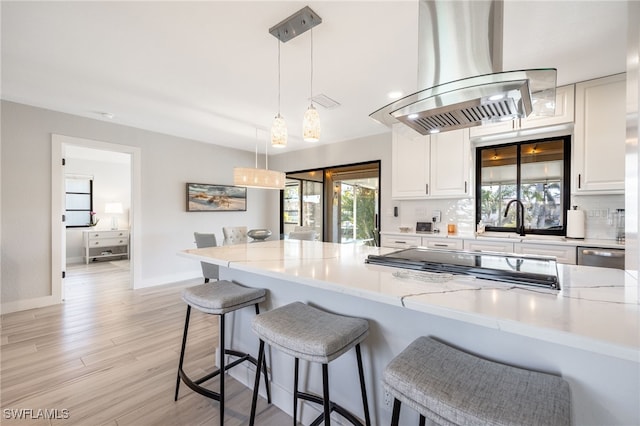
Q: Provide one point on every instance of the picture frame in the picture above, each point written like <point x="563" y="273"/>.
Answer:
<point x="203" y="197"/>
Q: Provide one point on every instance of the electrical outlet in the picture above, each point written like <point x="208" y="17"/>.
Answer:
<point x="437" y="216"/>
<point x="387" y="398"/>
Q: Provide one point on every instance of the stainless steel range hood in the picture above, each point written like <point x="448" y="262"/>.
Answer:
<point x="460" y="61"/>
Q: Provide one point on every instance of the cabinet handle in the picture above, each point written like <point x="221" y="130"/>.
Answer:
<point x="400" y="242"/>
<point x="441" y="245"/>
<point x="426" y="186"/>
<point x="465" y="186"/>
<point x="97" y="242"/>
<point x="579" y="181"/>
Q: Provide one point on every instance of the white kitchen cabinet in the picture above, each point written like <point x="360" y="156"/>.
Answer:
<point x="599" y="135"/>
<point x="396" y="241"/>
<point x="563" y="253"/>
<point x="105" y="244"/>
<point x="424" y="167"/>
<point x="442" y="243"/>
<point x="409" y="163"/>
<point x="564" y="114"/>
<point x="492" y="246"/>
<point x="450" y="163"/>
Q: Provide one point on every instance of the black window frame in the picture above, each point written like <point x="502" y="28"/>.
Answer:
<point x="566" y="184"/>
<point x="81" y="210"/>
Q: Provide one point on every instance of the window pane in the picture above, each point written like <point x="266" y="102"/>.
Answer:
<point x="498" y="187"/>
<point x="80" y="218"/>
<point x="78" y="185"/>
<point x="78" y="202"/>
<point x="542" y="175"/>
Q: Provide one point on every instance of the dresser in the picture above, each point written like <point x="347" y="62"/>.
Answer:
<point x="105" y="244"/>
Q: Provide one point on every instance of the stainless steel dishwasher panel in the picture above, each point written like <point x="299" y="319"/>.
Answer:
<point x="603" y="257"/>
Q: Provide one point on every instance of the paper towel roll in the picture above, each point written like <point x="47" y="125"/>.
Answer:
<point x="575" y="224"/>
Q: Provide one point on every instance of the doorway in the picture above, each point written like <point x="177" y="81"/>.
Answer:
<point x="60" y="145"/>
<point x="341" y="203"/>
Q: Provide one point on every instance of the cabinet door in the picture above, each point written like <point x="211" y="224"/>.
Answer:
<point x="394" y="241"/>
<point x="450" y="164"/>
<point x="409" y="163"/>
<point x="599" y="132"/>
<point x="490" y="246"/>
<point x="564" y="110"/>
<point x="563" y="254"/>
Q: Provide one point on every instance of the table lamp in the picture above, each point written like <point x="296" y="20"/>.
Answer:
<point x="113" y="208"/>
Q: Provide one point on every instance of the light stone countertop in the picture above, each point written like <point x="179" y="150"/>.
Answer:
<point x="597" y="309"/>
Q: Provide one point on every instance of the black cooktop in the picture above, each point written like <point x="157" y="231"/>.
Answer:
<point x="512" y="268"/>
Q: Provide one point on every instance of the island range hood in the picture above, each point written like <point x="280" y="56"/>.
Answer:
<point x="460" y="63"/>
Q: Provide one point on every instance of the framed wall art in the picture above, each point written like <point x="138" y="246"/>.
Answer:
<point x="202" y="197"/>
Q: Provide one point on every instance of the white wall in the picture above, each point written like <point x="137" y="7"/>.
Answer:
<point x="167" y="164"/>
<point x="111" y="183"/>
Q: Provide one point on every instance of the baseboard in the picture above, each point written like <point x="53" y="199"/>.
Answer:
<point x="25" y="304"/>
<point x="168" y="279"/>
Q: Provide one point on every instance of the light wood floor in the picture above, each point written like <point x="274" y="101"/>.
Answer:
<point x="109" y="356"/>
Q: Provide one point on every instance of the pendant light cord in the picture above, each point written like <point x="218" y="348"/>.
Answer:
<point x="311" y="85"/>
<point x="279" y="42"/>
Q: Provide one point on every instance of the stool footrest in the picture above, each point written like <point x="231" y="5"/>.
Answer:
<point x="194" y="385"/>
<point x="334" y="407"/>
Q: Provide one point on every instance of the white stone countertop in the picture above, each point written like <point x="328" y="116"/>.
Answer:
<point x="597" y="309"/>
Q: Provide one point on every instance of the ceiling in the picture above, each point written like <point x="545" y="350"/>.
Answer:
<point x="208" y="71"/>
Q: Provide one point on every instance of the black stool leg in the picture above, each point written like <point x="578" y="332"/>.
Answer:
<point x="422" y="420"/>
<point x="222" y="372"/>
<point x="363" y="388"/>
<point x="264" y="367"/>
<point x="254" y="400"/>
<point x="325" y="394"/>
<point x="184" y="344"/>
<point x="395" y="417"/>
<point x="295" y="391"/>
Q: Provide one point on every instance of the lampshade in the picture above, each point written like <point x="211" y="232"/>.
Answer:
<point x="279" y="132"/>
<point x="311" y="125"/>
<point x="113" y="208"/>
<point x="258" y="178"/>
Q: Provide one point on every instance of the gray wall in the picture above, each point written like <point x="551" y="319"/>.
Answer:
<point x="167" y="164"/>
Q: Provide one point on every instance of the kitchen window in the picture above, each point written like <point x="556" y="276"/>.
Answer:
<point x="536" y="173"/>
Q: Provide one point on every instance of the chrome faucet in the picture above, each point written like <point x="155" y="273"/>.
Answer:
<point x="519" y="229"/>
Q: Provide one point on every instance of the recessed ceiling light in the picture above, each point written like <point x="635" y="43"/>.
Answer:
<point x="394" y="94"/>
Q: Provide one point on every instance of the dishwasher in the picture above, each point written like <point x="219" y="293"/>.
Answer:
<point x="603" y="257"/>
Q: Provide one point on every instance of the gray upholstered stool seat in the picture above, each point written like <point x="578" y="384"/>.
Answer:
<point x="218" y="298"/>
<point x="311" y="334"/>
<point x="451" y="387"/>
<point x="305" y="332"/>
<point x="221" y="297"/>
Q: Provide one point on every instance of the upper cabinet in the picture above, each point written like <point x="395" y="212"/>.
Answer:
<point x="599" y="135"/>
<point x="450" y="163"/>
<point x="564" y="114"/>
<point x="409" y="163"/>
<point x="436" y="166"/>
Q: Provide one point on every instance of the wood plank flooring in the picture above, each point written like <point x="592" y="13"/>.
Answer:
<point x="108" y="356"/>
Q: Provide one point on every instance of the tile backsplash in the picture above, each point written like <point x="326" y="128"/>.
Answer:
<point x="599" y="210"/>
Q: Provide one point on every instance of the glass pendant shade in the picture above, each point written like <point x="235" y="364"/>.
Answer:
<point x="258" y="178"/>
<point x="311" y="125"/>
<point x="279" y="132"/>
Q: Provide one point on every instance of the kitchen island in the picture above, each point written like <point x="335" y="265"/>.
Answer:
<point x="588" y="331"/>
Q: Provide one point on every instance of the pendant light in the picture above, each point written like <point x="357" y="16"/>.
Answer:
<point x="256" y="177"/>
<point x="311" y="121"/>
<point x="279" y="126"/>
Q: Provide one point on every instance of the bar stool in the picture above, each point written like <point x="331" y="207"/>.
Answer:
<point x="218" y="298"/>
<point x="307" y="333"/>
<point x="450" y="387"/>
